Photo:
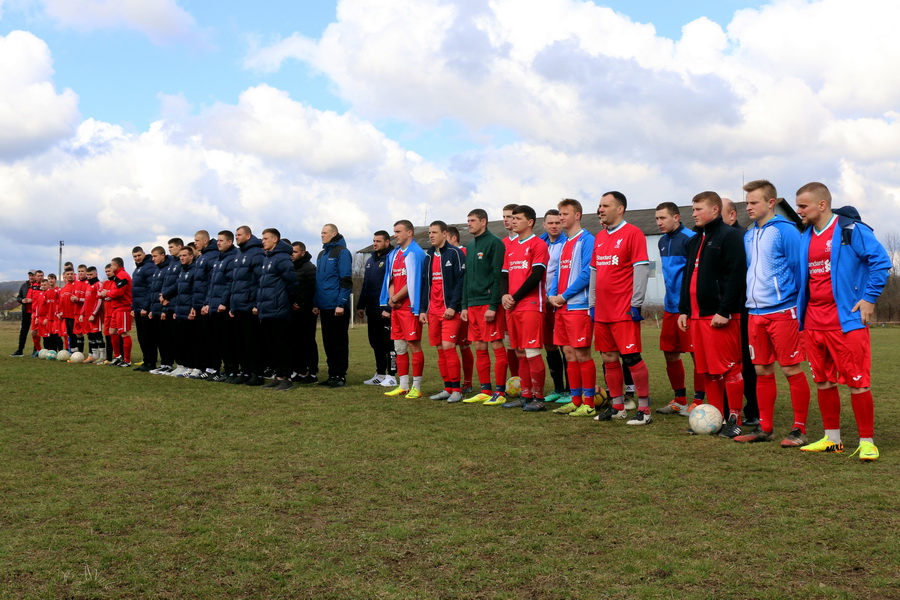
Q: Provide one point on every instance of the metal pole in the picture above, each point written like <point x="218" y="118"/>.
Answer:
<point x="59" y="272"/>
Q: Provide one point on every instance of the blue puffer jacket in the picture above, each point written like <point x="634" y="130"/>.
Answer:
<point x="140" y="285"/>
<point x="673" y="256"/>
<point x="184" y="301"/>
<point x="334" y="275"/>
<point x="277" y="284"/>
<point x="245" y="278"/>
<point x="170" y="282"/>
<point x="156" y="285"/>
<point x="203" y="265"/>
<point x="220" y="280"/>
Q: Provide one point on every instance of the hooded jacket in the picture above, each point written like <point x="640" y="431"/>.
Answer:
<point x="277" y="284"/>
<point x="157" y="282"/>
<point x="673" y="256"/>
<point x="220" y="280"/>
<point x="334" y="275"/>
<point x="453" y="271"/>
<point x="373" y="278"/>
<point x="245" y="277"/>
<point x="773" y="266"/>
<point x="722" y="271"/>
<point x="305" y="271"/>
<point x="141" y="279"/>
<point x="414" y="259"/>
<point x="184" y="300"/>
<point x="203" y="265"/>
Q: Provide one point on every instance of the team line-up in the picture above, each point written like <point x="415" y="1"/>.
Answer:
<point x="240" y="310"/>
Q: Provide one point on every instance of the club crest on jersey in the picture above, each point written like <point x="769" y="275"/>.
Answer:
<point x="381" y="264"/>
<point x="828" y="246"/>
<point x="480" y="255"/>
<point x="619" y="243"/>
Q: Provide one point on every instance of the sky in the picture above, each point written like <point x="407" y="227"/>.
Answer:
<point x="128" y="122"/>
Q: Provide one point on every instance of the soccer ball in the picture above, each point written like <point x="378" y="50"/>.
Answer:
<point x="77" y="357"/>
<point x="705" y="419"/>
<point x="63" y="355"/>
<point x="43" y="353"/>
<point x="514" y="387"/>
<point x="51" y="354"/>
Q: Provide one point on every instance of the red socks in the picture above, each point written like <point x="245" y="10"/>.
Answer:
<point x="525" y="376"/>
<point x="468" y="361"/>
<point x="615" y="379"/>
<point x="675" y="371"/>
<point x="766" y="391"/>
<point x="500" y="365"/>
<point x="116" y="344"/>
<point x="641" y="376"/>
<point x="575" y="384"/>
<point x="830" y="406"/>
<point x="538" y="375"/>
<point x="799" y="386"/>
<point x="512" y="359"/>
<point x="402" y="364"/>
<point x="418" y="363"/>
<point x="588" y="371"/>
<point x="483" y="363"/>
<point x="864" y="410"/>
<point x="126" y="348"/>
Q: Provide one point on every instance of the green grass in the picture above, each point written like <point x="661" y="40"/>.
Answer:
<point x="116" y="484"/>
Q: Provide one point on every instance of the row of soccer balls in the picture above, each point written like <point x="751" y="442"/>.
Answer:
<point x="704" y="419"/>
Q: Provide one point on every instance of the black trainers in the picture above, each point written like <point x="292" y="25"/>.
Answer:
<point x="283" y="385"/>
<point x="254" y="380"/>
<point x="17" y="353"/>
<point x="535" y="405"/>
<point x="207" y="376"/>
<point x="757" y="435"/>
<point x="268" y="373"/>
<point x="327" y="382"/>
<point x="731" y="429"/>
<point x="219" y="378"/>
<point x="337" y="382"/>
<point x="311" y="378"/>
<point x="273" y="383"/>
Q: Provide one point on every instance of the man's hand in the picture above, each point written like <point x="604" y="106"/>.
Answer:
<point x="489" y="316"/>
<point x="718" y="321"/>
<point x="556" y="301"/>
<point x="73" y="299"/>
<point x="508" y="301"/>
<point x="682" y="322"/>
<point x="338" y="311"/>
<point x="464" y="315"/>
<point x="256" y="310"/>
<point x="360" y="314"/>
<point x="385" y="314"/>
<point x="423" y="319"/>
<point x="205" y="310"/>
<point x="143" y="313"/>
<point x="866" y="310"/>
<point x="315" y="311"/>
<point x="635" y="313"/>
<point x="449" y="314"/>
<point x="222" y="308"/>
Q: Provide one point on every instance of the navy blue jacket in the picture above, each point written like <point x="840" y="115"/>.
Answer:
<point x="453" y="271"/>
<point x="334" y="276"/>
<point x="184" y="301"/>
<point x="140" y="285"/>
<point x="373" y="279"/>
<point x="220" y="280"/>
<point x="278" y="284"/>
<point x="203" y="265"/>
<point x="245" y="277"/>
<point x="156" y="285"/>
<point x="306" y="279"/>
<point x="170" y="282"/>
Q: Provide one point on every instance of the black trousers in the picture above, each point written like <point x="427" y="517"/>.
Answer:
<point x="147" y="338"/>
<point x="336" y="340"/>
<point x="277" y="334"/>
<point x="303" y="340"/>
<point x="380" y="341"/>
<point x="223" y="330"/>
<point x="247" y="343"/>
<point x="165" y="336"/>
<point x="24" y="329"/>
<point x="186" y="346"/>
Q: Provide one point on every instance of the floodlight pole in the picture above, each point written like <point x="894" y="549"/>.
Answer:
<point x="59" y="272"/>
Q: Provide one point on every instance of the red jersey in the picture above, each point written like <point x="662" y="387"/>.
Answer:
<point x="51" y="303"/>
<point x="616" y="252"/>
<point x="109" y="285"/>
<point x="821" y="312"/>
<point x="81" y="288"/>
<point x="38" y="306"/>
<point x="398" y="278"/>
<point x="519" y="261"/>
<point x="92" y="304"/>
<point x="436" y="304"/>
<point x="120" y="293"/>
<point x="68" y="308"/>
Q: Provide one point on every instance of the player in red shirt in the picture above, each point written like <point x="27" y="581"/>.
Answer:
<point x="119" y="297"/>
<point x="524" y="297"/>
<point x="621" y="268"/>
<point x="52" y="316"/>
<point x="91" y="317"/>
<point x="465" y="346"/>
<point x="68" y="309"/>
<point x="512" y="358"/>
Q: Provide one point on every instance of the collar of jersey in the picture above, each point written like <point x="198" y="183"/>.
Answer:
<point x="830" y="221"/>
<point x="617" y="227"/>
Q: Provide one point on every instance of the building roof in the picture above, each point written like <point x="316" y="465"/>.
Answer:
<point x="644" y="219"/>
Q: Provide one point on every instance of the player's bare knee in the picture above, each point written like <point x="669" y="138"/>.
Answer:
<point x="765" y="369"/>
<point x="791" y="370"/>
<point x="610" y="357"/>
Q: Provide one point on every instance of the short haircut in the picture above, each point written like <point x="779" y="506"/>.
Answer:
<point x="245" y="229"/>
<point x="69" y="269"/>
<point x="176" y="241"/>
<point x="272" y="231"/>
<point x="300" y="245"/>
<point x="711" y="198"/>
<point x="761" y="184"/>
<point x="383" y="234"/>
<point x="331" y="226"/>
<point x="452" y="231"/>
<point x="108" y="266"/>
<point x="440" y="225"/>
<point x="619" y="196"/>
<point x="407" y="224"/>
<point x="511" y="207"/>
<point x="82" y="266"/>
<point x="51" y="276"/>
<point x="117" y="261"/>
<point x="202" y="233"/>
<point x="158" y="250"/>
<point x="186" y="249"/>
<point x="228" y="235"/>
<point x="524" y="209"/>
<point x="551" y="213"/>
<point x="818" y="190"/>
<point x="669" y="206"/>
<point x="137" y="249"/>
<point x="478" y="213"/>
<point x="68" y="263"/>
<point x="190" y="245"/>
<point x="92" y="268"/>
<point x="286" y="241"/>
<point x="38" y="271"/>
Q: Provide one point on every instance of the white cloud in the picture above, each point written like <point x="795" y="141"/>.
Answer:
<point x="32" y="114"/>
<point x="163" y="21"/>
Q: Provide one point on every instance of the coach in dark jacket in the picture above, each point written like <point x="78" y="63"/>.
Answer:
<point x="244" y="289"/>
<point x="303" y="320"/>
<point x="23" y="299"/>
<point x="334" y="282"/>
<point x="379" y="326"/>
<point x="722" y="275"/>
<point x="278" y="292"/>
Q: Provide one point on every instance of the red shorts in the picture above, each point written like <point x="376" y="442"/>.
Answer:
<point x="79" y="328"/>
<point x="443" y="330"/>
<point x="94" y="327"/>
<point x="623" y="337"/>
<point x="526" y="328"/>
<point x="839" y="357"/>
<point x="121" y="321"/>
<point x="405" y="325"/>
<point x="716" y="349"/>
<point x="671" y="337"/>
<point x="573" y="328"/>
<point x="463" y="336"/>
<point x="482" y="331"/>
<point x="775" y="336"/>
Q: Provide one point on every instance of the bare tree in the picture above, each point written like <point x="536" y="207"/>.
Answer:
<point x="887" y="309"/>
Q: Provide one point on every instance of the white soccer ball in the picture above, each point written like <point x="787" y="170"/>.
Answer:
<point x="51" y="354"/>
<point x="43" y="353"/>
<point x="705" y="419"/>
<point x="63" y="355"/>
<point x="77" y="357"/>
<point x="514" y="387"/>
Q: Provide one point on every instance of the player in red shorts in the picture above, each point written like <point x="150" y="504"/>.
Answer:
<point x="772" y="246"/>
<point x="441" y="306"/>
<point x="91" y="317"/>
<point x="556" y="361"/>
<point x="119" y="296"/>
<point x="620" y="270"/>
<point x="467" y="359"/>
<point x="52" y="337"/>
<point x="401" y="292"/>
<point x="569" y="291"/>
<point x="843" y="271"/>
<point x="68" y="309"/>
<point x="524" y="296"/>
<point x="712" y="293"/>
<point x="512" y="358"/>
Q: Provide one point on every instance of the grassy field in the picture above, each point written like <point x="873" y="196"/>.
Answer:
<point x="116" y="484"/>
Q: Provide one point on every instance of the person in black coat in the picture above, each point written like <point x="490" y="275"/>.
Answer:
<point x="303" y="320"/>
<point x="278" y="293"/>
<point x="369" y="306"/>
